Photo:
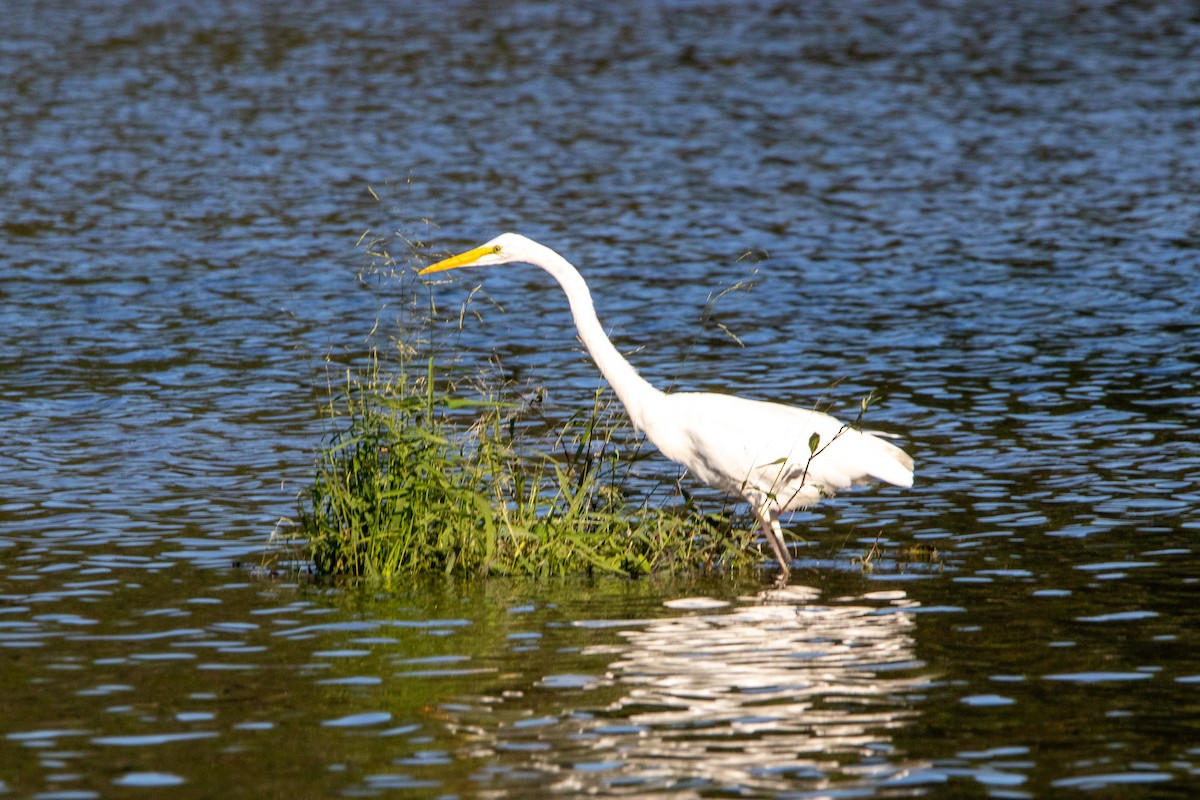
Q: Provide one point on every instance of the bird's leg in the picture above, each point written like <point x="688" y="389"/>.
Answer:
<point x="768" y="518"/>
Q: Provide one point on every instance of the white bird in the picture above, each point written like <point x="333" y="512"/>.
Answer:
<point x="777" y="458"/>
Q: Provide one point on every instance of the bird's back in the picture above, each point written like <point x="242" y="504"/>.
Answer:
<point x="761" y="450"/>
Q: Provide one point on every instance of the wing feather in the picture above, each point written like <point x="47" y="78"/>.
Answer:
<point x="761" y="448"/>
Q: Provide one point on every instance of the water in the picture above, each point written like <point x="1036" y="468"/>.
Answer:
<point x="985" y="214"/>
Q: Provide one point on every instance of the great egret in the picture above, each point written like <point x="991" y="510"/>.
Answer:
<point x="778" y="458"/>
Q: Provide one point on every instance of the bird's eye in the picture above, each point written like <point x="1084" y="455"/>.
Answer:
<point x="496" y="249"/>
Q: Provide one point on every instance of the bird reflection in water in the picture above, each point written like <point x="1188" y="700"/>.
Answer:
<point x="761" y="695"/>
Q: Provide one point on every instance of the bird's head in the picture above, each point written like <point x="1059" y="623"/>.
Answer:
<point x="503" y="249"/>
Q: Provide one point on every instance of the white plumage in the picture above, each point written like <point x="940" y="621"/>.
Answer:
<point x="764" y="452"/>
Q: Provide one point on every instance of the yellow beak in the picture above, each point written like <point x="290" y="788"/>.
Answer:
<point x="466" y="259"/>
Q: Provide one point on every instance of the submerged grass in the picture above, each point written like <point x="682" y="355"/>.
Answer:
<point x="413" y="479"/>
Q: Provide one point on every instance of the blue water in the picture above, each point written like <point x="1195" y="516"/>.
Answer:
<point x="986" y="214"/>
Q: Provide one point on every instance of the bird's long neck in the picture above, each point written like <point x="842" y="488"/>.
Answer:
<point x="634" y="391"/>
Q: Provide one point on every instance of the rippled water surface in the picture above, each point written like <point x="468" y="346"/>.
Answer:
<point x="986" y="214"/>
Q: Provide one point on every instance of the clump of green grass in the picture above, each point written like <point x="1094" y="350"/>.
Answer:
<point x="422" y="472"/>
<point x="412" y="479"/>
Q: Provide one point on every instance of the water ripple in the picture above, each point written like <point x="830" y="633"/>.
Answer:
<point x="987" y="217"/>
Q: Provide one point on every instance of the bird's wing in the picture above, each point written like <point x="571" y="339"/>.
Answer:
<point x="748" y="446"/>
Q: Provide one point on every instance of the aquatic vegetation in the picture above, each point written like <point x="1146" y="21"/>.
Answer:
<point x="915" y="556"/>
<point x="418" y="475"/>
<point x="427" y="466"/>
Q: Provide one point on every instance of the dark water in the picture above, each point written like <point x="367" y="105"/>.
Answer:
<point x="986" y="213"/>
